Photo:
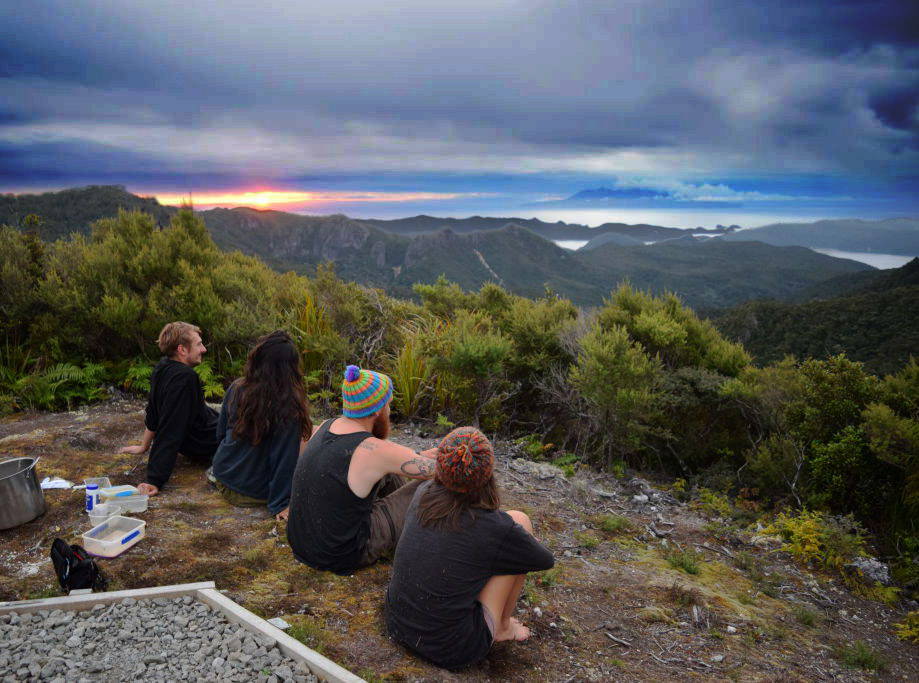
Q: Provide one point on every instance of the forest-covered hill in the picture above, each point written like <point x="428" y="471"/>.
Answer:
<point x="874" y="321"/>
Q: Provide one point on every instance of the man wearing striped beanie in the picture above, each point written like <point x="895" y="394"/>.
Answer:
<point x="348" y="499"/>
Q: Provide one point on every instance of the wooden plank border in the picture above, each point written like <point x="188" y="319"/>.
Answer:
<point x="323" y="667"/>
<point x="83" y="602"/>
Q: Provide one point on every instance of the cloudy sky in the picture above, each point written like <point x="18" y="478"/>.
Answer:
<point x="472" y="106"/>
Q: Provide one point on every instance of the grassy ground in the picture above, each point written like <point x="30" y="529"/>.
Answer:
<point x="621" y="603"/>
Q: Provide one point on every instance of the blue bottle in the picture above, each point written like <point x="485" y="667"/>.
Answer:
<point x="92" y="492"/>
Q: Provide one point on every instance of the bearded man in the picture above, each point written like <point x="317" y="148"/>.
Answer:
<point x="348" y="499"/>
<point x="177" y="418"/>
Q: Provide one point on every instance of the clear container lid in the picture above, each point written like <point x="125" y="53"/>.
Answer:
<point x="116" y="492"/>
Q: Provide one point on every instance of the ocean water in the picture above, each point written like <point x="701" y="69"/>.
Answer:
<point x="571" y="244"/>
<point x="882" y="261"/>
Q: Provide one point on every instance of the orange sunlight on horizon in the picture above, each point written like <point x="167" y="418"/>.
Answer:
<point x="272" y="198"/>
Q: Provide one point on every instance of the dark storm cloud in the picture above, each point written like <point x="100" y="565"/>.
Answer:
<point x="897" y="108"/>
<point x="498" y="86"/>
<point x="826" y="25"/>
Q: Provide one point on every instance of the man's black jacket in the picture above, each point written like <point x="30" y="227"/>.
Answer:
<point x="183" y="422"/>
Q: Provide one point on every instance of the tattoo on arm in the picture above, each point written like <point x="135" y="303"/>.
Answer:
<point x="420" y="468"/>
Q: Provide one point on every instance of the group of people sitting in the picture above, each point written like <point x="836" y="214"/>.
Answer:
<point x="349" y="495"/>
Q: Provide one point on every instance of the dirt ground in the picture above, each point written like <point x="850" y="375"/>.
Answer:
<point x="612" y="609"/>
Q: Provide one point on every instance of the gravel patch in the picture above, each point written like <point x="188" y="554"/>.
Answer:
<point x="158" y="640"/>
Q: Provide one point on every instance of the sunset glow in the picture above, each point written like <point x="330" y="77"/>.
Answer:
<point x="282" y="198"/>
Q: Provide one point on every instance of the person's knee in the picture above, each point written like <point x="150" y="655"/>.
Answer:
<point x="522" y="518"/>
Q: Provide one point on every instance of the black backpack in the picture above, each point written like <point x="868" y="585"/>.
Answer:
<point x="75" y="568"/>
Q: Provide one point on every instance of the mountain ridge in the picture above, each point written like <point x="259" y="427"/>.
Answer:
<point x="711" y="274"/>
<point x="887" y="236"/>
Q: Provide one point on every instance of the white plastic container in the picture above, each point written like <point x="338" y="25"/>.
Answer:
<point x="126" y="496"/>
<point x="136" y="503"/>
<point x="101" y="482"/>
<point x="102" y="512"/>
<point x="114" y="536"/>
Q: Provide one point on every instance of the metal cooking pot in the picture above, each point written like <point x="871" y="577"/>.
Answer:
<point x="21" y="497"/>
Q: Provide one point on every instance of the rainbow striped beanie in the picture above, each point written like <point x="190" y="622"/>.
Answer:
<point x="364" y="392"/>
<point x="465" y="460"/>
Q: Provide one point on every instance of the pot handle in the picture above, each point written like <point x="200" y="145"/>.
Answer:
<point x="32" y="466"/>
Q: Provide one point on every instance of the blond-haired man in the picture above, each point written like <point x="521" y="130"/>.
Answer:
<point x="178" y="420"/>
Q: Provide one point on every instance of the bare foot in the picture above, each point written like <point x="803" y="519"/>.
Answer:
<point x="147" y="489"/>
<point x="514" y="631"/>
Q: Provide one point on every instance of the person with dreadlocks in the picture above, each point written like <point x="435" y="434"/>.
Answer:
<point x="263" y="425"/>
<point x="461" y="562"/>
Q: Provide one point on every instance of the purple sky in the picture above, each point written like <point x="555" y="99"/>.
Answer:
<point x="470" y="107"/>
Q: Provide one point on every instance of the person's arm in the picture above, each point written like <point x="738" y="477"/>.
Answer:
<point x="178" y="404"/>
<point x="375" y="458"/>
<point x="519" y="552"/>
<point x="143" y="446"/>
<point x="415" y="465"/>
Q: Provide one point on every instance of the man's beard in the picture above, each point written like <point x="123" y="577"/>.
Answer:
<point x="381" y="426"/>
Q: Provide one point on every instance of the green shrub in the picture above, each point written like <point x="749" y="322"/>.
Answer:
<point x="586" y="539"/>
<point x="908" y="629"/>
<point x="887" y="595"/>
<point x="568" y="463"/>
<point x="819" y="539"/>
<point x="411" y="373"/>
<point x="61" y="386"/>
<point x="533" y="447"/>
<point x="137" y="376"/>
<point x="612" y="524"/>
<point x="213" y="387"/>
<point x="776" y="468"/>
<point x="834" y="393"/>
<point x="688" y="561"/>
<point x="548" y="577"/>
<point x="618" y="381"/>
<point x="894" y="439"/>
<point x="859" y="655"/>
<point x="667" y="329"/>
<point x="442" y="426"/>
<point x="713" y="503"/>
<point x="805" y="616"/>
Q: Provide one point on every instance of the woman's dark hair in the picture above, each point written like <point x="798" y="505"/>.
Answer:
<point x="271" y="391"/>
<point x="441" y="509"/>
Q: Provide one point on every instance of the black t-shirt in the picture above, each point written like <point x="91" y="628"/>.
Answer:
<point x="431" y="604"/>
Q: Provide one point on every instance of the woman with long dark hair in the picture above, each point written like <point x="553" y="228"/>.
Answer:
<point x="264" y="422"/>
<point x="461" y="562"/>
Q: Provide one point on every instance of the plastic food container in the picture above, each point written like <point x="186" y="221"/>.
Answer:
<point x="113" y="492"/>
<point x="101" y="482"/>
<point x="102" y="512"/>
<point x="136" y="503"/>
<point x="114" y="536"/>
